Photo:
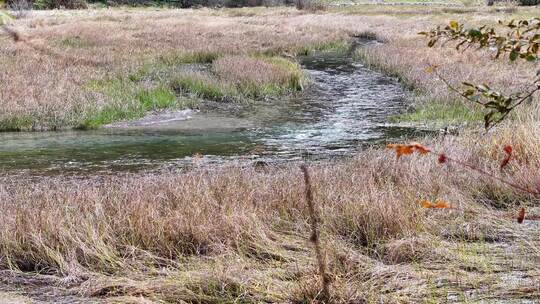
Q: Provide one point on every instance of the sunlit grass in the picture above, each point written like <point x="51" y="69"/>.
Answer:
<point x="131" y="102"/>
<point x="447" y="113"/>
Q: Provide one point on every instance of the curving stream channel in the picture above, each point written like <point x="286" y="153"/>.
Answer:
<point x="346" y="106"/>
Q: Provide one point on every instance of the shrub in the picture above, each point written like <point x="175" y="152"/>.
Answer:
<point x="20" y="8"/>
<point x="310" y="5"/>
<point x="54" y="4"/>
<point x="197" y="3"/>
<point x="529" y="2"/>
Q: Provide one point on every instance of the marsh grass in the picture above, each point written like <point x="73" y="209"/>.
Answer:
<point x="147" y="43"/>
<point x="74" y="42"/>
<point x="258" y="77"/>
<point x="241" y="78"/>
<point x="342" y="45"/>
<point x="131" y="102"/>
<point x="19" y="123"/>
<point x="192" y="236"/>
<point x="189" y="57"/>
<point x="204" y="86"/>
<point x="228" y="78"/>
<point x="447" y="113"/>
<point x="235" y="233"/>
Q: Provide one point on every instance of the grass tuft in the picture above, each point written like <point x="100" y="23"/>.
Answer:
<point x="452" y="113"/>
<point x="18" y="123"/>
<point x="189" y="57"/>
<point x="203" y="86"/>
<point x="131" y="103"/>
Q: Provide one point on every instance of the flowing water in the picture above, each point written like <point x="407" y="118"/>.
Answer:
<point x="346" y="106"/>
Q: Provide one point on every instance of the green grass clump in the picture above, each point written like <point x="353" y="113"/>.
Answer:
<point x="253" y="91"/>
<point x="155" y="99"/>
<point x="455" y="112"/>
<point x="297" y="79"/>
<point x="330" y="46"/>
<point x="189" y="57"/>
<point x="204" y="87"/>
<point x="18" y="123"/>
<point x="129" y="102"/>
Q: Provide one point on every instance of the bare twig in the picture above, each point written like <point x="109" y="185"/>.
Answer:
<point x="315" y="237"/>
<point x="488" y="174"/>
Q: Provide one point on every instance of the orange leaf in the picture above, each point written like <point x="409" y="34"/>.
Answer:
<point x="437" y="205"/>
<point x="441" y="205"/>
<point x="425" y="203"/>
<point x="420" y="148"/>
<point x="408" y="149"/>
<point x="404" y="150"/>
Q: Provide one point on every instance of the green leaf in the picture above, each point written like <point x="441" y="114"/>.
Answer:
<point x="474" y="33"/>
<point x="514" y="55"/>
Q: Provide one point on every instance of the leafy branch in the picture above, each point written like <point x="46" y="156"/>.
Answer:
<point x="521" y="41"/>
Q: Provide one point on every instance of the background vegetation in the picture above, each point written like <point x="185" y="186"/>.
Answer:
<point x="242" y="234"/>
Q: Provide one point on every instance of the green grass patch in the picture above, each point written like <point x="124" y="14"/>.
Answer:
<point x="330" y="46"/>
<point x="19" y="123"/>
<point x="129" y="102"/>
<point x="204" y="87"/>
<point x="254" y="91"/>
<point x="189" y="57"/>
<point x="341" y="45"/>
<point x="166" y="71"/>
<point x="142" y="72"/>
<point x="455" y="112"/>
<point x="156" y="99"/>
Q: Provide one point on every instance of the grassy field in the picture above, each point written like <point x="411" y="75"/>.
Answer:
<point x="234" y="234"/>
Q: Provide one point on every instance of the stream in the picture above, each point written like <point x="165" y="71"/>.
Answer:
<point x="346" y="107"/>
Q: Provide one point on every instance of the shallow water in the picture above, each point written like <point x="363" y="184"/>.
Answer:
<point x="346" y="106"/>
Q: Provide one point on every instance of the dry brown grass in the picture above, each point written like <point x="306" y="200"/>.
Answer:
<point x="257" y="72"/>
<point x="237" y="234"/>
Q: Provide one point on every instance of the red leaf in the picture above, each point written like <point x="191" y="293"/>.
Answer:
<point x="506" y="160"/>
<point x="521" y="216"/>
<point x="442" y="159"/>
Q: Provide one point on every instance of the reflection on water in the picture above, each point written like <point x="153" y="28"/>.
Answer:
<point x="346" y="106"/>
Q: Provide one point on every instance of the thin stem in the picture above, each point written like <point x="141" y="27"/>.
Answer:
<point x="315" y="237"/>
<point x="451" y="87"/>
<point x="500" y="179"/>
